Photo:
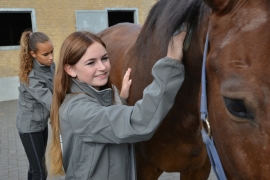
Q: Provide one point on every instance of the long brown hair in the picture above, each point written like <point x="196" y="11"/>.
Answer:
<point x="28" y="42"/>
<point x="73" y="48"/>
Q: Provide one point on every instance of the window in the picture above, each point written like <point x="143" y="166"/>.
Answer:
<point x="98" y="20"/>
<point x="118" y="16"/>
<point x="13" y="22"/>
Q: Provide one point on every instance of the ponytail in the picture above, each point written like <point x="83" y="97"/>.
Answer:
<point x="28" y="43"/>
<point x="26" y="60"/>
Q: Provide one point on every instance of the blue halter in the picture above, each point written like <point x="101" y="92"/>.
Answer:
<point x="207" y="139"/>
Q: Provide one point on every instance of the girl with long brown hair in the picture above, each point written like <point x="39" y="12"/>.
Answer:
<point x="95" y="133"/>
<point x="35" y="96"/>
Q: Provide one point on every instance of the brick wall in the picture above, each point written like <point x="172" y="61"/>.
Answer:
<point x="57" y="19"/>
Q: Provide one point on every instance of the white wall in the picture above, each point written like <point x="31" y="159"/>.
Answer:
<point x="9" y="88"/>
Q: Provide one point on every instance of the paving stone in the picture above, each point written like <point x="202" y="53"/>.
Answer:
<point x="3" y="177"/>
<point x="4" y="172"/>
<point x="14" y="174"/>
<point x="13" y="160"/>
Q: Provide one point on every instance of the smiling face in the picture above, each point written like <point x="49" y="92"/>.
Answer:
<point x="44" y="53"/>
<point x="93" y="68"/>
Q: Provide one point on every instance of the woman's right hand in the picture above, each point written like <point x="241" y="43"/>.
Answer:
<point x="126" y="85"/>
<point x="175" y="47"/>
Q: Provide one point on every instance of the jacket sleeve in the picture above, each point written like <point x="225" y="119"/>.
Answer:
<point x="127" y="124"/>
<point x="117" y="97"/>
<point x="38" y="90"/>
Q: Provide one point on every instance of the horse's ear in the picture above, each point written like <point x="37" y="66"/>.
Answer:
<point x="220" y="5"/>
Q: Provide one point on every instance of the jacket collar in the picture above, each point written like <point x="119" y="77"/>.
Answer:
<point x="39" y="67"/>
<point x="104" y="97"/>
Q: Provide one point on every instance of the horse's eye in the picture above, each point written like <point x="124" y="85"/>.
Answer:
<point x="237" y="108"/>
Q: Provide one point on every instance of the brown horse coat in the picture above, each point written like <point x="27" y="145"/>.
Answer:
<point x="238" y="86"/>
<point x="177" y="144"/>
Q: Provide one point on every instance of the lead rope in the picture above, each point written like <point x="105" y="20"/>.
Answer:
<point x="207" y="138"/>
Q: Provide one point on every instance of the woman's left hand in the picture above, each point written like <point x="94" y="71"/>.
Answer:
<point x="126" y="85"/>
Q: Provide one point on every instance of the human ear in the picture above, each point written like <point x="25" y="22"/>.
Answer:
<point x="70" y="70"/>
<point x="33" y="54"/>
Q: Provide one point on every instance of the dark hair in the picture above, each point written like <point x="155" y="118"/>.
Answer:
<point x="28" y="42"/>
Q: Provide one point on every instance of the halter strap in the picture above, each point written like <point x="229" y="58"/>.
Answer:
<point x="207" y="138"/>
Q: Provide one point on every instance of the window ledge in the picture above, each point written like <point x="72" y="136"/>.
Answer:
<point x="9" y="47"/>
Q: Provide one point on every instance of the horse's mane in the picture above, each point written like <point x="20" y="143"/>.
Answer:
<point x="166" y="16"/>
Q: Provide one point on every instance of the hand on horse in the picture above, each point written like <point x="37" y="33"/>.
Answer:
<point x="175" y="47"/>
<point x="126" y="85"/>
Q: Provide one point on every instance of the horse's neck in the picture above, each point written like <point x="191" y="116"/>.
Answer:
<point x="141" y="58"/>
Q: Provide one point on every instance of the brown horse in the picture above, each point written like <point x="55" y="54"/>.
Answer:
<point x="237" y="97"/>
<point x="177" y="145"/>
<point x="238" y="73"/>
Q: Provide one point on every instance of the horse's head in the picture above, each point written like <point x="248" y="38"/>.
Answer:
<point x="238" y="83"/>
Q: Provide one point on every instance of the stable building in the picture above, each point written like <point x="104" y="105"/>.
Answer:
<point x="56" y="18"/>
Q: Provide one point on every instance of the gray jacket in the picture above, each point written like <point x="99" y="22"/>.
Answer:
<point x="95" y="133"/>
<point x="35" y="99"/>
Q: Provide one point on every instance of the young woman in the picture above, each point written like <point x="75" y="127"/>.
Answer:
<point x="95" y="132"/>
<point x="35" y="97"/>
